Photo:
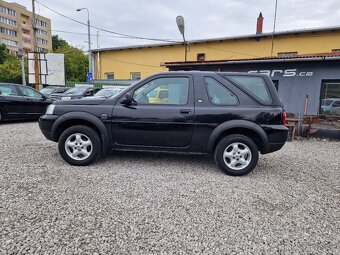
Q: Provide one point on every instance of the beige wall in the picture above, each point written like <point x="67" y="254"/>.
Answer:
<point x="147" y="61"/>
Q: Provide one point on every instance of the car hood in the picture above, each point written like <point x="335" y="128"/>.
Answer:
<point x="81" y="102"/>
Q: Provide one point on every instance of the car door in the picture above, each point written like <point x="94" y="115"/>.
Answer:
<point x="12" y="105"/>
<point x="35" y="101"/>
<point x="164" y="123"/>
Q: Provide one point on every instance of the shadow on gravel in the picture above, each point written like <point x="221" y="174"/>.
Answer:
<point x="3" y="123"/>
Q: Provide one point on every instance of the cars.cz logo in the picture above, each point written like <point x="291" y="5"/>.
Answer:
<point x="285" y="73"/>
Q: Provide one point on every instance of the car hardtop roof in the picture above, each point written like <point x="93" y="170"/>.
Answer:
<point x="214" y="72"/>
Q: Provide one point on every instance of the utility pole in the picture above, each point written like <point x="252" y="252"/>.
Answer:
<point x="22" y="57"/>
<point x="98" y="56"/>
<point x="35" y="49"/>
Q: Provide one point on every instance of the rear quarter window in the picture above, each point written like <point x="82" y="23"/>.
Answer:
<point x="254" y="85"/>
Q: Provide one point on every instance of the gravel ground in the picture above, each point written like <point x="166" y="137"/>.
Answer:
<point x="142" y="203"/>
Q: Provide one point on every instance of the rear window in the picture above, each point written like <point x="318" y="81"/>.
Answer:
<point x="7" y="90"/>
<point x="254" y="85"/>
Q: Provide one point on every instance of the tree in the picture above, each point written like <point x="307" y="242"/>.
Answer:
<point x="10" y="68"/>
<point x="58" y="42"/>
<point x="4" y="54"/>
<point x="10" y="71"/>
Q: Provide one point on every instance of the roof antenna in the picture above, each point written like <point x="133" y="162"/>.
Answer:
<point x="271" y="53"/>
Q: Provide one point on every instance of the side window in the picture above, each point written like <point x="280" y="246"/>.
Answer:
<point x="28" y="92"/>
<point x="7" y="90"/>
<point x="218" y="93"/>
<point x="254" y="85"/>
<point x="172" y="90"/>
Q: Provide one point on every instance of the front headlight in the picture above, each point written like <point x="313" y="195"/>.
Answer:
<point x="50" y="109"/>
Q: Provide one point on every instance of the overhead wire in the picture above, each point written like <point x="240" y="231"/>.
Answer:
<point x="106" y="30"/>
<point x="131" y="63"/>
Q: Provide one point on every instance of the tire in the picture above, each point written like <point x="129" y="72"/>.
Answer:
<point x="236" y="155"/>
<point x="79" y="145"/>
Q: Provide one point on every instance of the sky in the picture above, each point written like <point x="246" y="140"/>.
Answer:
<point x="157" y="18"/>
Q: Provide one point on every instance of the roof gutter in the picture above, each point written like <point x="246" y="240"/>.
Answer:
<point x="254" y="61"/>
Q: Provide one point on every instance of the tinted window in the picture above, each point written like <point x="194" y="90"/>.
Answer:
<point x="255" y="85"/>
<point x="28" y="92"/>
<point x="7" y="90"/>
<point x="218" y="94"/>
<point x="163" y="91"/>
<point x="75" y="91"/>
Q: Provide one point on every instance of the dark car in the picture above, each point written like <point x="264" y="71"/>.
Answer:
<point x="21" y="102"/>
<point x="75" y="93"/>
<point x="47" y="91"/>
<point x="232" y="116"/>
<point x="107" y="92"/>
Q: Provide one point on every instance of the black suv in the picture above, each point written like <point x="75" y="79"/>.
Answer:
<point x="233" y="116"/>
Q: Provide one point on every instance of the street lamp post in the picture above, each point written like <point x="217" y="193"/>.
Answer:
<point x="89" y="36"/>
<point x="180" y="25"/>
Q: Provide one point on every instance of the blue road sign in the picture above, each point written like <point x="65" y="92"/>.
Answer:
<point x="89" y="77"/>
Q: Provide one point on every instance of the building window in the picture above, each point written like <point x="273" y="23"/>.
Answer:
<point x="42" y="32"/>
<point x="109" y="76"/>
<point x="8" y="21"/>
<point x="135" y="76"/>
<point x="8" y="11"/>
<point x="26" y="32"/>
<point x="8" y="42"/>
<point x="335" y="50"/>
<point x="287" y="54"/>
<point x="330" y="97"/>
<point x="42" y="41"/>
<point x="7" y="31"/>
<point x="40" y="23"/>
<point x="42" y="50"/>
<point x="201" y="57"/>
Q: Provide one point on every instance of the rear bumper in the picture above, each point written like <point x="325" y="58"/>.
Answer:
<point x="277" y="137"/>
<point x="45" y="124"/>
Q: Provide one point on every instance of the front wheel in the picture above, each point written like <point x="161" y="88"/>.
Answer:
<point x="79" y="145"/>
<point x="236" y="155"/>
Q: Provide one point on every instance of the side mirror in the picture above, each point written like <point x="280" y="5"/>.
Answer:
<point x="127" y="99"/>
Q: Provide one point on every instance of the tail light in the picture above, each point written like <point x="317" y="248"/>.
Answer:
<point x="284" y="118"/>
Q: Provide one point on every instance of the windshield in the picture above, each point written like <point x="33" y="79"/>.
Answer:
<point x="107" y="92"/>
<point x="326" y="102"/>
<point x="47" y="90"/>
<point x="74" y="91"/>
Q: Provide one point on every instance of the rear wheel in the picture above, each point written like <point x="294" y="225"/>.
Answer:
<point x="79" y="145"/>
<point x="236" y="155"/>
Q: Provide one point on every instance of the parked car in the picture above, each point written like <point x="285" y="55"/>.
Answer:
<point x="75" y="93"/>
<point x="47" y="91"/>
<point x="107" y="92"/>
<point x="233" y="116"/>
<point x="21" y="102"/>
<point x="330" y="106"/>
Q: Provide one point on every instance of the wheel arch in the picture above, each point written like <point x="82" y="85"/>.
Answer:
<point x="243" y="127"/>
<point x="81" y="118"/>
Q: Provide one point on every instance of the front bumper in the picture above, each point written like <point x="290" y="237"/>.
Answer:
<point x="46" y="123"/>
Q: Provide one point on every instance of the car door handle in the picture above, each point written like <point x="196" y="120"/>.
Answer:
<point x="185" y="111"/>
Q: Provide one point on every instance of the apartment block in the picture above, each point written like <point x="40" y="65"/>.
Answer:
<point x="16" y="29"/>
